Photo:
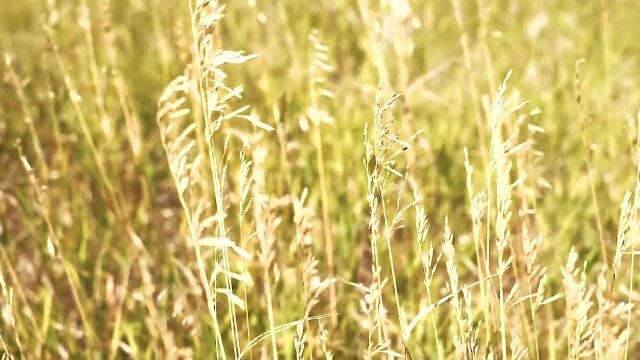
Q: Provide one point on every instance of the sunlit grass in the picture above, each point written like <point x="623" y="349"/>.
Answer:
<point x="315" y="179"/>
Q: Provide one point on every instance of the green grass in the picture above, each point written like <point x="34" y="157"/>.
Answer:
<point x="101" y="192"/>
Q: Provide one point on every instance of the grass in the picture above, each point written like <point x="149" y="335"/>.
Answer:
<point x="295" y="180"/>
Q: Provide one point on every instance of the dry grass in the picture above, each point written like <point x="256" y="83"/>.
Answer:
<point x="366" y="181"/>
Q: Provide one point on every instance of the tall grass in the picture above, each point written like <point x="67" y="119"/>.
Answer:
<point x="299" y="180"/>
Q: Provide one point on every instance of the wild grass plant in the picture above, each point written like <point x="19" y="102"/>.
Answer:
<point x="319" y="179"/>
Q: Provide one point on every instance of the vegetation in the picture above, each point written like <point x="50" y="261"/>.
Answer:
<point x="319" y="179"/>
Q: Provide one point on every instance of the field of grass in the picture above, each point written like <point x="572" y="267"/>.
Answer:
<point x="376" y="179"/>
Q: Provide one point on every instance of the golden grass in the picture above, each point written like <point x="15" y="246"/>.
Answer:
<point x="358" y="184"/>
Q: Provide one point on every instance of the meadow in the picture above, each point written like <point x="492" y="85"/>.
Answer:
<point x="344" y="179"/>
